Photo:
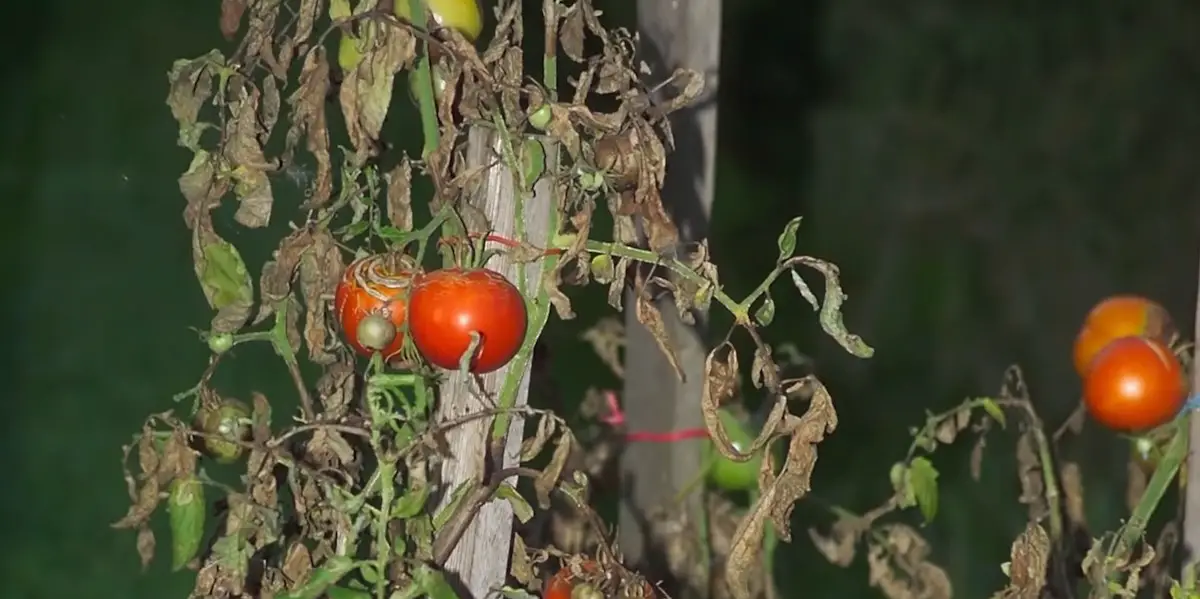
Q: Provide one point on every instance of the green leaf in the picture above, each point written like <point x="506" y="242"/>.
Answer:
<point x="766" y="312"/>
<point x="186" y="509"/>
<point x="993" y="409"/>
<point x="787" y="239"/>
<point x="515" y="593"/>
<point x="411" y="502"/>
<point x="923" y="478"/>
<point x="442" y="517"/>
<point x="521" y="508"/>
<point x="224" y="277"/>
<point x="899" y="476"/>
<point x="432" y="583"/>
<point x="344" y="593"/>
<point x="353" y="230"/>
<point x="533" y="162"/>
<point x="322" y="579"/>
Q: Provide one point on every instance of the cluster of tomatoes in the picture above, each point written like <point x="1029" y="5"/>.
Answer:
<point x="1132" y="380"/>
<point x="443" y="309"/>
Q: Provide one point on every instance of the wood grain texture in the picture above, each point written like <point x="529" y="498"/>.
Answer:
<point x="482" y="555"/>
<point x="674" y="34"/>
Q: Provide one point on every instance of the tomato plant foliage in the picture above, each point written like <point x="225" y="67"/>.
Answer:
<point x="386" y="326"/>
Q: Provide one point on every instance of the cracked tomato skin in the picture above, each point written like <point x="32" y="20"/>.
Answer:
<point x="1134" y="384"/>
<point x="447" y="305"/>
<point x="1116" y="317"/>
<point x="375" y="284"/>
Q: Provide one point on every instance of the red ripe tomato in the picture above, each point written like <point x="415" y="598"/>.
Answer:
<point x="447" y="305"/>
<point x="1134" y="384"/>
<point x="374" y="285"/>
<point x="1116" y="317"/>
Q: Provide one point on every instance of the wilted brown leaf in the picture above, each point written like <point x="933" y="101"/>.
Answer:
<point x="308" y="121"/>
<point x="222" y="275"/>
<point x="297" y="564"/>
<point x="607" y="339"/>
<point x="649" y="316"/>
<point x="191" y="86"/>
<point x="145" y="546"/>
<point x="259" y="33"/>
<point x="1027" y="568"/>
<point x="275" y="283"/>
<point x="552" y="472"/>
<point x="243" y="150"/>
<point x="366" y="92"/>
<point x="336" y="388"/>
<point x="1071" y="481"/>
<point x="1029" y="473"/>
<point x="321" y="268"/>
<point x="399" y="196"/>
<point x="898" y="566"/>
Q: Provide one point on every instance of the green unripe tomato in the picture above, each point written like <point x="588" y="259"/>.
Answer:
<point x="726" y="474"/>
<point x="225" y="426"/>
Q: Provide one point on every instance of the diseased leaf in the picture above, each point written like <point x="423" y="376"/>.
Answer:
<point x="787" y="239"/>
<point x="399" y="196"/>
<point x="244" y="136"/>
<point x="223" y="277"/>
<point x="231" y="17"/>
<point x="549" y="476"/>
<point x="366" y="92"/>
<point x="192" y="86"/>
<point x="186" y="509"/>
<point x="831" y="307"/>
<point x="275" y="283"/>
<point x="308" y="121"/>
<point x="651" y="318"/>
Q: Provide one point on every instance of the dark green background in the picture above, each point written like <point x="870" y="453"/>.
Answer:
<point x="982" y="171"/>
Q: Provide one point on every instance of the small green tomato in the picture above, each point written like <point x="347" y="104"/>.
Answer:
<point x="225" y="426"/>
<point x="727" y="474"/>
<point x="220" y="343"/>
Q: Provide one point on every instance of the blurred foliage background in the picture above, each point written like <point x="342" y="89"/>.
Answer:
<point x="982" y="171"/>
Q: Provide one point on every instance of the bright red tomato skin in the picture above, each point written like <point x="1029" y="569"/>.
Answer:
<point x="1116" y="317"/>
<point x="1134" y="384"/>
<point x="374" y="284"/>
<point x="447" y="305"/>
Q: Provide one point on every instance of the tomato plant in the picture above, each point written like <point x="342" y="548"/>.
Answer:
<point x="374" y="286"/>
<point x="727" y="474"/>
<point x="1116" y="317"/>
<point x="1134" y="384"/>
<point x="447" y="305"/>
<point x="567" y="584"/>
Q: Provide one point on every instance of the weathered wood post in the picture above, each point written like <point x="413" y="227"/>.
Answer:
<point x="481" y="556"/>
<point x="673" y="34"/>
<point x="1191" y="499"/>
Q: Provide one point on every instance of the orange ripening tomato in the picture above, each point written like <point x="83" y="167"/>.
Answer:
<point x="1134" y="384"/>
<point x="374" y="285"/>
<point x="447" y="305"/>
<point x="1116" y="317"/>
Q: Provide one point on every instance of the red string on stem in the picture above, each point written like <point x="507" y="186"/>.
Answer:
<point x="616" y="419"/>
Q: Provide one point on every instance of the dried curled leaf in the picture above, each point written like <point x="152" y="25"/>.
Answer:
<point x="366" y="92"/>
<point x="897" y="562"/>
<point x="1027" y="568"/>
<point x="248" y="166"/>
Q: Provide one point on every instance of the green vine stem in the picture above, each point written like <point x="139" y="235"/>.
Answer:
<point x="424" y="86"/>
<point x="1132" y="531"/>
